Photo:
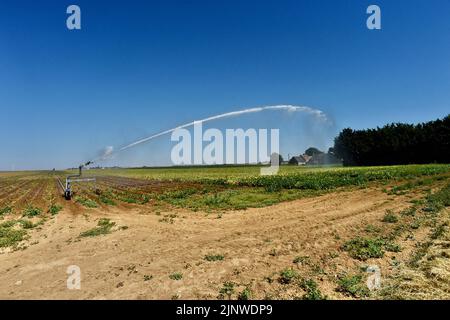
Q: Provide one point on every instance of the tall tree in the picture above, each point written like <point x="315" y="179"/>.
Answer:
<point x="312" y="151"/>
<point x="395" y="143"/>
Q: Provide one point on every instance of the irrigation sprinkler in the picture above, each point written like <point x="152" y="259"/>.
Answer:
<point x="67" y="188"/>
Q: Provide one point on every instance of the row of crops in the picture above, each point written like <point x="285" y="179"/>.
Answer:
<point x="330" y="179"/>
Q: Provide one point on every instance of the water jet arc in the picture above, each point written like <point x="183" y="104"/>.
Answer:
<point x="320" y="115"/>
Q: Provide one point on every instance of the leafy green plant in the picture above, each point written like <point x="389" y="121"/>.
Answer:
<point x="288" y="275"/>
<point x="128" y="199"/>
<point x="144" y="199"/>
<point x="390" y="217"/>
<point x="104" y="226"/>
<point x="364" y="248"/>
<point x="214" y="257"/>
<point x="415" y="224"/>
<point x="6" y="210"/>
<point x="147" y="277"/>
<point x="245" y="294"/>
<point x="8" y="224"/>
<point x="31" y="211"/>
<point x="437" y="201"/>
<point x="176" y="276"/>
<point x="273" y="186"/>
<point x="104" y="199"/>
<point x="178" y="194"/>
<point x="438" y="231"/>
<point x="411" y="211"/>
<point x="312" y="290"/>
<point x="54" y="209"/>
<point x="10" y="237"/>
<point x="86" y="202"/>
<point x="226" y="290"/>
<point x="353" y="286"/>
<point x="26" y="224"/>
<point x="392" y="247"/>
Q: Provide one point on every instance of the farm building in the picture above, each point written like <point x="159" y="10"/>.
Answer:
<point x="300" y="160"/>
<point x="316" y="159"/>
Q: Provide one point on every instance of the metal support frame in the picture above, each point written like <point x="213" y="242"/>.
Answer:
<point x="75" y="178"/>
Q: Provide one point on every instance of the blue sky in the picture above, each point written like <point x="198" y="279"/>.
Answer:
<point x="139" y="67"/>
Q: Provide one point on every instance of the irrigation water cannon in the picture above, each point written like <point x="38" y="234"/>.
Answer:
<point x="67" y="188"/>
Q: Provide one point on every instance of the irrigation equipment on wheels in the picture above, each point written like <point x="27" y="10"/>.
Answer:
<point x="67" y="187"/>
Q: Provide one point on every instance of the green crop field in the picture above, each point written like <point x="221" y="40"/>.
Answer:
<point x="240" y="187"/>
<point x="246" y="174"/>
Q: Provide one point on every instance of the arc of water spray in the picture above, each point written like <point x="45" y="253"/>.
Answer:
<point x="290" y="108"/>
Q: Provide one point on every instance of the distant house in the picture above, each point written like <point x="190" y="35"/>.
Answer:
<point x="300" y="160"/>
<point x="316" y="159"/>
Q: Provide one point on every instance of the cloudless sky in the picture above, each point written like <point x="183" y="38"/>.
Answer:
<point x="139" y="67"/>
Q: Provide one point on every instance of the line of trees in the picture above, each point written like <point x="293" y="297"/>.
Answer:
<point x="395" y="143"/>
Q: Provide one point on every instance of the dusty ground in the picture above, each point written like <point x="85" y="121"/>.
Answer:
<point x="136" y="262"/>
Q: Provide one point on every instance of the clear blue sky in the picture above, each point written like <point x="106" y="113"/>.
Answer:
<point x="138" y="67"/>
